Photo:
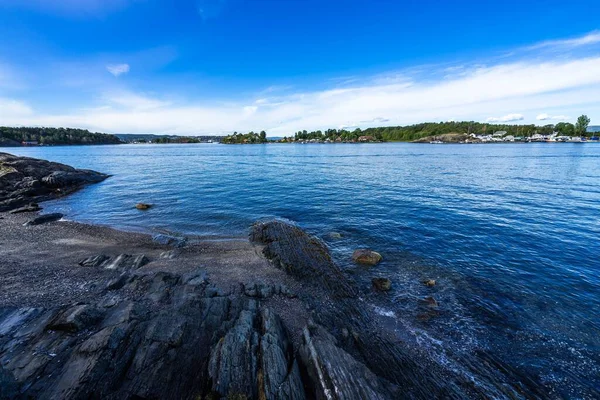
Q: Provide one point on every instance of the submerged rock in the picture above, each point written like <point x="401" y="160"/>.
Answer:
<point x="429" y="302"/>
<point x="42" y="219"/>
<point x="366" y="257"/>
<point x="143" y="206"/>
<point x="382" y="284"/>
<point x="429" y="282"/>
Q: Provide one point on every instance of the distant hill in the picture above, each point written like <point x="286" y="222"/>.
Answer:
<point x="595" y="128"/>
<point x="10" y="136"/>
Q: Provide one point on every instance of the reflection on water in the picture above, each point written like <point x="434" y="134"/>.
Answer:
<point x="509" y="232"/>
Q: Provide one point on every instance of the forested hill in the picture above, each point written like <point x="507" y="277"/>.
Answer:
<point x="419" y="131"/>
<point x="53" y="136"/>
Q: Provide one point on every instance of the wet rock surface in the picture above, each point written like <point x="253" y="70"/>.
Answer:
<point x="44" y="219"/>
<point x="24" y="180"/>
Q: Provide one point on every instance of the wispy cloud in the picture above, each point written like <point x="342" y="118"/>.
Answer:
<point x="546" y="117"/>
<point x="588" y="39"/>
<point x="507" y="118"/>
<point x="118" y="69"/>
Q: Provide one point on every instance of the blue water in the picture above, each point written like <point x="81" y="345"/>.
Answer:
<point x="509" y="231"/>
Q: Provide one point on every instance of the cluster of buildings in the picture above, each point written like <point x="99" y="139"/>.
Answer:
<point x="502" y="136"/>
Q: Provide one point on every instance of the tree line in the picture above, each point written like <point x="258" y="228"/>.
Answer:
<point x="418" y="131"/>
<point x="54" y="136"/>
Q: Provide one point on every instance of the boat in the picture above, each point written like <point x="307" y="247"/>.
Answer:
<point x="436" y="142"/>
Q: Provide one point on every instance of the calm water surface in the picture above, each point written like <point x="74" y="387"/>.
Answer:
<point x="510" y="232"/>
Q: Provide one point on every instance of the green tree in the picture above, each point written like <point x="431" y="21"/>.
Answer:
<point x="582" y="124"/>
<point x="263" y="136"/>
<point x="565" y="128"/>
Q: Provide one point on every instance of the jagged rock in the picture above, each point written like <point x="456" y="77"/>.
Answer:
<point x="75" y="319"/>
<point x="94" y="261"/>
<point x="382" y="284"/>
<point x="32" y="207"/>
<point x="263" y="291"/>
<point x="301" y="255"/>
<point x="43" y="219"/>
<point x="143" y="206"/>
<point x="169" y="255"/>
<point x="335" y="373"/>
<point x="119" y="282"/>
<point x="168" y="240"/>
<point x="127" y="262"/>
<point x="366" y="257"/>
<point x="24" y="180"/>
<point x="334" y="235"/>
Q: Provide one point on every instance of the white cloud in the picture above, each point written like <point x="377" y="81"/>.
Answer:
<point x="118" y="69"/>
<point x="546" y="117"/>
<point x="507" y="118"/>
<point x="530" y="85"/>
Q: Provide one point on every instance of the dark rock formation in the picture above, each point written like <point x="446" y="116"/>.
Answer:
<point x="43" y="219"/>
<point x="24" y="180"/>
<point x="302" y="256"/>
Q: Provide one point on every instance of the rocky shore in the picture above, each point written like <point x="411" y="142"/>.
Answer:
<point x="91" y="312"/>
<point x="25" y="180"/>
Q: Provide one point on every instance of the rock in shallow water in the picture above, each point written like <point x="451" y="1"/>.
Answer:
<point x="366" y="257"/>
<point x="382" y="284"/>
<point x="143" y="206"/>
<point x="429" y="282"/>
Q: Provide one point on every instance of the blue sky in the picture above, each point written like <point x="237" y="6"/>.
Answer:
<point x="215" y="66"/>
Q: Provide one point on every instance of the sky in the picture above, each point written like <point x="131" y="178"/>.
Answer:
<point x="193" y="67"/>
